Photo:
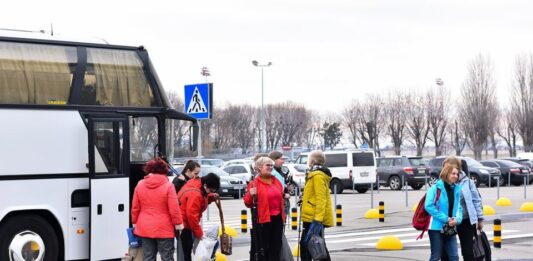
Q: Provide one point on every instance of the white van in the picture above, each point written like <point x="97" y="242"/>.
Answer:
<point x="349" y="168"/>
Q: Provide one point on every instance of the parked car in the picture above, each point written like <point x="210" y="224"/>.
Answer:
<point x="523" y="162"/>
<point x="239" y="161"/>
<point x="392" y="170"/>
<point x="297" y="172"/>
<point x="512" y="172"/>
<point x="478" y="173"/>
<point x="229" y="186"/>
<point x="241" y="171"/>
<point x="201" y="161"/>
<point x="349" y="169"/>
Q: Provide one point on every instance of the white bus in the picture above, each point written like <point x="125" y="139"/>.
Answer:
<point x="71" y="145"/>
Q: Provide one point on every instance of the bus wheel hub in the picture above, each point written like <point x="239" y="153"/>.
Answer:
<point x="26" y="245"/>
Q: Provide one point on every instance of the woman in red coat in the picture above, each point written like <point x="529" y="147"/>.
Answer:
<point x="270" y="211"/>
<point x="193" y="199"/>
<point x="155" y="213"/>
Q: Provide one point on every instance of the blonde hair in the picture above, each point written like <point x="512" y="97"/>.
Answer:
<point x="318" y="157"/>
<point x="452" y="160"/>
<point x="447" y="170"/>
<point x="260" y="162"/>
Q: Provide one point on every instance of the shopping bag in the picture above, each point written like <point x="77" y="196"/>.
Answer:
<point x="179" y="249"/>
<point x="204" y="249"/>
<point x="133" y="240"/>
<point x="286" y="253"/>
<point x="317" y="247"/>
<point x="478" y="249"/>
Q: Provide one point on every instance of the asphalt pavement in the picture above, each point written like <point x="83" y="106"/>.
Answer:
<point x="357" y="237"/>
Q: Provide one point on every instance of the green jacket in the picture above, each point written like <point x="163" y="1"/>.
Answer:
<point x="316" y="205"/>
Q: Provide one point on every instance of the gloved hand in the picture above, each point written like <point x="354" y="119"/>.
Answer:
<point x="315" y="228"/>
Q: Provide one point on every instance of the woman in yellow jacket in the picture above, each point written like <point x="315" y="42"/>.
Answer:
<point x="316" y="202"/>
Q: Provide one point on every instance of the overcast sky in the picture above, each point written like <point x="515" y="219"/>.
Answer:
<point x="324" y="53"/>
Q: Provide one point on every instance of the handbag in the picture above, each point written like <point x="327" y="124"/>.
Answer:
<point x="486" y="245"/>
<point x="448" y="231"/>
<point x="225" y="239"/>
<point x="478" y="249"/>
<point x="317" y="247"/>
<point x="285" y="253"/>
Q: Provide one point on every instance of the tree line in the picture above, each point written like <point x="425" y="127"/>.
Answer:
<point x="401" y="118"/>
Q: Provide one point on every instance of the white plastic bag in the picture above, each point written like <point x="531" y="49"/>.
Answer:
<point x="204" y="249"/>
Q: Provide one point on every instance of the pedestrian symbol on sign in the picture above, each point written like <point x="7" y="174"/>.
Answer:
<point x="196" y="105"/>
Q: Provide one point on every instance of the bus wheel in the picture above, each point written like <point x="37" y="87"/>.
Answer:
<point x="28" y="237"/>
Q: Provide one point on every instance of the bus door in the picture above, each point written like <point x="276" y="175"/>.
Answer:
<point x="109" y="186"/>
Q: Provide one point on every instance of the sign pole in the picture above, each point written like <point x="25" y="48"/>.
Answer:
<point x="199" y="139"/>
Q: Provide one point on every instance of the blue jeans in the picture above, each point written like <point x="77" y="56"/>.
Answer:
<point x="439" y="243"/>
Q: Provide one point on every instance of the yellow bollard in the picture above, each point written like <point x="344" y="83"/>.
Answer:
<point x="381" y="211"/>
<point x="372" y="214"/>
<point x="229" y="230"/>
<point x="244" y="221"/>
<point x="220" y="257"/>
<point x="294" y="219"/>
<point x="488" y="210"/>
<point x="527" y="207"/>
<point x="497" y="233"/>
<point x="504" y="202"/>
<point x="339" y="215"/>
<point x="296" y="250"/>
<point x="389" y="243"/>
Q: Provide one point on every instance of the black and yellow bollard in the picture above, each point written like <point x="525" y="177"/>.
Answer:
<point x="294" y="219"/>
<point x="381" y="211"/>
<point x="338" y="211"/>
<point x="497" y="233"/>
<point x="244" y="221"/>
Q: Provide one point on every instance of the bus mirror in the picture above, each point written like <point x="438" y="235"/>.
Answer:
<point x="193" y="136"/>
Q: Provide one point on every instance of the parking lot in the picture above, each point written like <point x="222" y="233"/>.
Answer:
<point x="357" y="237"/>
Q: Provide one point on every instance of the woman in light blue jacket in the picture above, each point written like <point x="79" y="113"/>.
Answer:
<point x="446" y="213"/>
<point x="472" y="211"/>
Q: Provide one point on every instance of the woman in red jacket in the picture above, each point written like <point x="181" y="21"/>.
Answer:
<point x="155" y="213"/>
<point x="193" y="199"/>
<point x="268" y="192"/>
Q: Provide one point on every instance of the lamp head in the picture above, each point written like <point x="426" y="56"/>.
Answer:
<point x="255" y="63"/>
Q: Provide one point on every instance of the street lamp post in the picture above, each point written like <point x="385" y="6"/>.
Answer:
<point x="263" y="124"/>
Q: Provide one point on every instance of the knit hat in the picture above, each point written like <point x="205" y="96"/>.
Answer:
<point x="274" y="155"/>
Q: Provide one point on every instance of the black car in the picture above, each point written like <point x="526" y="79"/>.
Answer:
<point x="523" y="162"/>
<point x="512" y="172"/>
<point x="478" y="173"/>
<point x="392" y="169"/>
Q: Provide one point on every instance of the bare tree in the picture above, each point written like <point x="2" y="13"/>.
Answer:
<point x="372" y="123"/>
<point x="507" y="130"/>
<point x="477" y="99"/>
<point x="352" y="115"/>
<point x="181" y="128"/>
<point x="494" y="118"/>
<point x="438" y="106"/>
<point x="458" y="137"/>
<point x="522" y="99"/>
<point x="293" y="118"/>
<point x="311" y="139"/>
<point x="417" y="120"/>
<point x="396" y="117"/>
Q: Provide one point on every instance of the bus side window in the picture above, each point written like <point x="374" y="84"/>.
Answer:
<point x="79" y="198"/>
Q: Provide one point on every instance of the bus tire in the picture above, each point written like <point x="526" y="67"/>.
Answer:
<point x="36" y="226"/>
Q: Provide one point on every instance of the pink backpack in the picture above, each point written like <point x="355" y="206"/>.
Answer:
<point x="421" y="218"/>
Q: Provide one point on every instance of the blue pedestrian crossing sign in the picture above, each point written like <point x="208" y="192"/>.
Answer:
<point x="198" y="100"/>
